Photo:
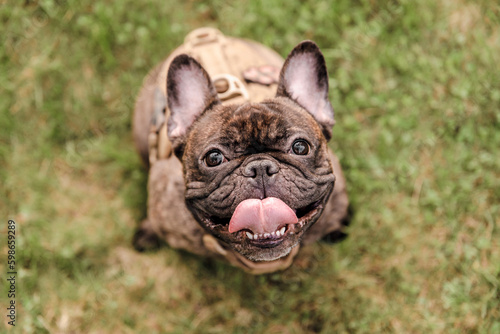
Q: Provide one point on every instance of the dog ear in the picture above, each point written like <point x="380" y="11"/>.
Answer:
<point x="304" y="79"/>
<point x="189" y="93"/>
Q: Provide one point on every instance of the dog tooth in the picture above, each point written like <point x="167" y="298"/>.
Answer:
<point x="249" y="235"/>
<point x="277" y="233"/>
<point x="266" y="235"/>
<point x="282" y="231"/>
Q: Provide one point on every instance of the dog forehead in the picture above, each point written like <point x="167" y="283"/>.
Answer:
<point x="256" y="121"/>
<point x="253" y="123"/>
<point x="258" y="124"/>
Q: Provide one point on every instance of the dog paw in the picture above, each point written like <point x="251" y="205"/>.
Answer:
<point x="145" y="239"/>
<point x="334" y="237"/>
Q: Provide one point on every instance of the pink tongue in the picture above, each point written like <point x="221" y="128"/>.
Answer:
<point x="261" y="216"/>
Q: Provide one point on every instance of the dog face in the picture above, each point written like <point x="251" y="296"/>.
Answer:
<point x="257" y="175"/>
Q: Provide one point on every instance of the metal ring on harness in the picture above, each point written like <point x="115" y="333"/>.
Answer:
<point x="229" y="86"/>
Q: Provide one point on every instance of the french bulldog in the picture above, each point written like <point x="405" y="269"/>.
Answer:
<point x="249" y="182"/>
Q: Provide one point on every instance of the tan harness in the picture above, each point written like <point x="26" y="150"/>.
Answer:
<point x="218" y="54"/>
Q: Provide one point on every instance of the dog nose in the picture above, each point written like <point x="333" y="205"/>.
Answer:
<point x="262" y="167"/>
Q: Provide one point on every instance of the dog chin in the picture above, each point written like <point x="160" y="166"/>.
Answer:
<point x="268" y="254"/>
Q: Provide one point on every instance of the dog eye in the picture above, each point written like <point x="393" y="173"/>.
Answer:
<point x="214" y="158"/>
<point x="300" y="147"/>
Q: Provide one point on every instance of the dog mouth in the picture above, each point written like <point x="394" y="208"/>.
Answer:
<point x="264" y="223"/>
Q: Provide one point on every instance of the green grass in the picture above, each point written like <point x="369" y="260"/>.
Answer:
<point x="416" y="90"/>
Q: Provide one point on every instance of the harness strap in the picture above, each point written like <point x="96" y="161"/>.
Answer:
<point x="159" y="145"/>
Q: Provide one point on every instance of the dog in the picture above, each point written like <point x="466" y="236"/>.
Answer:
<point x="235" y="140"/>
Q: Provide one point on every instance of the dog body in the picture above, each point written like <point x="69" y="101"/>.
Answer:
<point x="238" y="163"/>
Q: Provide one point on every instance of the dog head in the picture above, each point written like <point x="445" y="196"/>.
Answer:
<point x="257" y="175"/>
